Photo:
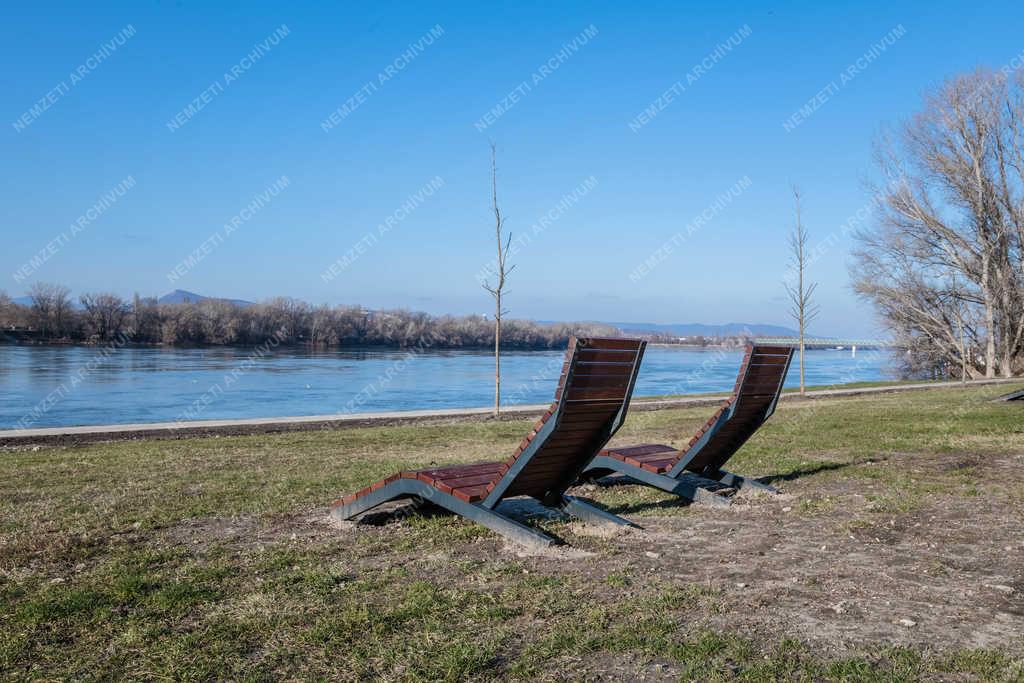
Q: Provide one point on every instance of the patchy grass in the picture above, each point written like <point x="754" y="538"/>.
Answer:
<point x="213" y="558"/>
<point x="813" y="387"/>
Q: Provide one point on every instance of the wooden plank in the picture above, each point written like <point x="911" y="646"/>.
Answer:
<point x="760" y="349"/>
<point x="659" y="467"/>
<point x="448" y="485"/>
<point x="441" y="473"/>
<point x="605" y="356"/>
<point x="618" y="369"/>
<point x="565" y="453"/>
<point x="470" y="495"/>
<point x="760" y="386"/>
<point x="574" y="436"/>
<point x="573" y="441"/>
<point x="590" y="431"/>
<point x="583" y="395"/>
<point x="457" y="470"/>
<point x="580" y="420"/>
<point x="654" y="462"/>
<point x="581" y="410"/>
<point x="640" y="450"/>
<point x="605" y="343"/>
<point x="769" y="360"/>
<point x="598" y="394"/>
<point x="620" y="382"/>
<point x="761" y="398"/>
<point x="535" y="491"/>
<point x="749" y="414"/>
<point x="761" y="371"/>
<point x="548" y="473"/>
<point x="548" y="465"/>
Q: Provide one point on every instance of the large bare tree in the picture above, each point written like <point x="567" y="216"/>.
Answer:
<point x="105" y="314"/>
<point x="800" y="291"/>
<point x="51" y="308"/>
<point x="953" y="203"/>
<point x="502" y="269"/>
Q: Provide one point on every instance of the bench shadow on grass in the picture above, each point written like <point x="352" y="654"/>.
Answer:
<point x="672" y="502"/>
<point x="816" y="469"/>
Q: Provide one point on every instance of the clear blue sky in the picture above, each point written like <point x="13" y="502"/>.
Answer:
<point x="419" y="124"/>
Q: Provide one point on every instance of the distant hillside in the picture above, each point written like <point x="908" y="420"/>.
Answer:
<point x="181" y="296"/>
<point x="178" y="296"/>
<point x="700" y="329"/>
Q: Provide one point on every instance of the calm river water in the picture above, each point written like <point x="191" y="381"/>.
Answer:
<point x="45" y="386"/>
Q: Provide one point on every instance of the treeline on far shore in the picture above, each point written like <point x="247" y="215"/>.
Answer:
<point x="52" y="315"/>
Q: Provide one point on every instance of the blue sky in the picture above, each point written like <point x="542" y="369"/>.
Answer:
<point x="417" y="124"/>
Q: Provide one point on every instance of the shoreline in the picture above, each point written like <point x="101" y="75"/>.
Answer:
<point x="76" y="435"/>
<point x="728" y="343"/>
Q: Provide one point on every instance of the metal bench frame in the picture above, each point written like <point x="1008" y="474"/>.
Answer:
<point x="484" y="512"/>
<point x="689" y="484"/>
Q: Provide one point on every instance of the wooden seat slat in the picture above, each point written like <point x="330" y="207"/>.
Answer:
<point x="447" y="485"/>
<point x="760" y="388"/>
<point x="583" y="407"/>
<point x="638" y="450"/>
<point x="598" y="394"/>
<point x="600" y="382"/>
<point x="770" y="360"/>
<point x="606" y="356"/>
<point x="471" y="494"/>
<point x="608" y="343"/>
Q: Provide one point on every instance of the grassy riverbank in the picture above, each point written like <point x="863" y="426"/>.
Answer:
<point x="875" y="384"/>
<point x="895" y="552"/>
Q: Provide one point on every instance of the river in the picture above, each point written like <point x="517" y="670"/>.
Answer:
<point x="47" y="386"/>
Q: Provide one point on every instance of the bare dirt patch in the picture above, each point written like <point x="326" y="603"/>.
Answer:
<point x="946" y="573"/>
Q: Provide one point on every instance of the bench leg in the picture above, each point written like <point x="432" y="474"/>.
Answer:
<point x="688" y="488"/>
<point x="412" y="488"/>
<point x="507" y="527"/>
<point x="729" y="479"/>
<point x="696" y="493"/>
<point x="403" y="488"/>
<point x="591" y="513"/>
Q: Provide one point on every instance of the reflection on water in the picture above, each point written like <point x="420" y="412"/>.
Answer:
<point x="43" y="386"/>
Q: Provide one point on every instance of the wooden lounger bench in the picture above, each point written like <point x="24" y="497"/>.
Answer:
<point x="590" y="404"/>
<point x="682" y="471"/>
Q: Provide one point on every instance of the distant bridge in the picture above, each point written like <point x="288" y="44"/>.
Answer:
<point x="819" y="343"/>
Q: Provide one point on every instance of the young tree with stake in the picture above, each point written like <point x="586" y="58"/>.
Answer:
<point x="803" y="309"/>
<point x="503" y="270"/>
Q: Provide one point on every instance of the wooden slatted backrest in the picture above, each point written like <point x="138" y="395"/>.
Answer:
<point x="590" y="403"/>
<point x="758" y="386"/>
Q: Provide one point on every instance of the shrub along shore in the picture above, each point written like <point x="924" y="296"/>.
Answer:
<point x="107" y="317"/>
